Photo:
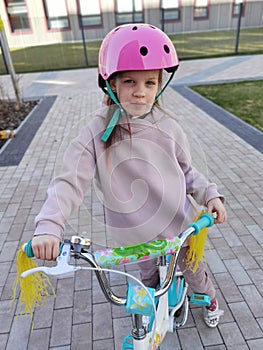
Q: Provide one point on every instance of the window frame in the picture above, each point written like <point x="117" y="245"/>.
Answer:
<point x="11" y="22"/>
<point x="80" y="17"/>
<point x="129" y="13"/>
<point x="170" y="10"/>
<point x="196" y="8"/>
<point x="235" y="4"/>
<point x="49" y="18"/>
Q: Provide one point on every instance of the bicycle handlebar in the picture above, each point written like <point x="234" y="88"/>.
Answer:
<point x="153" y="249"/>
<point x="123" y="255"/>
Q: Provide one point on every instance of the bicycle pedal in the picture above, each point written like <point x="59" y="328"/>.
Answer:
<point x="200" y="299"/>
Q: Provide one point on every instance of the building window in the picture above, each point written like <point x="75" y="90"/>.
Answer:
<point x="89" y="13"/>
<point x="56" y="14"/>
<point x="170" y="10"/>
<point x="17" y="15"/>
<point x="236" y="8"/>
<point x="129" y="11"/>
<point x="201" y="9"/>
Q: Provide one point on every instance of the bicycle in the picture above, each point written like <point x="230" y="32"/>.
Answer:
<point x="154" y="312"/>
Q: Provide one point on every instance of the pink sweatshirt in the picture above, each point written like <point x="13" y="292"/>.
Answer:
<point x="145" y="180"/>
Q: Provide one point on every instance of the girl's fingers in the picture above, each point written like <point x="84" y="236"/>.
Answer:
<point x="45" y="247"/>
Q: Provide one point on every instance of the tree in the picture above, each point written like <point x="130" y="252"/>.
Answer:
<point x="9" y="63"/>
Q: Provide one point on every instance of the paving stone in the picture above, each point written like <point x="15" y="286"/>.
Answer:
<point x="5" y="224"/>
<point x="103" y="344"/>
<point x="65" y="292"/>
<point x="102" y="321"/>
<point x="246" y="321"/>
<point x="81" y="337"/>
<point x="82" y="311"/>
<point x="3" y="340"/>
<point x="188" y="337"/>
<point x="43" y="315"/>
<point x="237" y="272"/>
<point x="16" y="230"/>
<point x="83" y="280"/>
<point x="223" y="248"/>
<point x="4" y="270"/>
<point x="39" y="339"/>
<point x="12" y="209"/>
<point x="253" y="299"/>
<point x="7" y="312"/>
<point x="231" y="237"/>
<point x="9" y="251"/>
<point x="254" y="248"/>
<point x="257" y="233"/>
<point x="232" y="336"/>
<point x="260" y="322"/>
<point x="61" y="328"/>
<point x="228" y="287"/>
<point x="7" y="292"/>
<point x="246" y="260"/>
<point x="171" y="341"/>
<point x="257" y="278"/>
<point x="121" y="328"/>
<point x="19" y="334"/>
<point x="255" y="344"/>
<point x="215" y="263"/>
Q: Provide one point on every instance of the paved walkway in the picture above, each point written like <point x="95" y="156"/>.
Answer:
<point x="80" y="317"/>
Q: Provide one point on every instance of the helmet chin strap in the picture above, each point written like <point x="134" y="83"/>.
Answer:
<point x="116" y="115"/>
<point x="165" y="86"/>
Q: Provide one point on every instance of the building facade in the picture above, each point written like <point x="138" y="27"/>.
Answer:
<point x="40" y="22"/>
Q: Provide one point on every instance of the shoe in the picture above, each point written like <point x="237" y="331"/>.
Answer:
<point x="212" y="314"/>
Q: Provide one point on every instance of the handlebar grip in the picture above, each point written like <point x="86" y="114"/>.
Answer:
<point x="27" y="248"/>
<point x="206" y="220"/>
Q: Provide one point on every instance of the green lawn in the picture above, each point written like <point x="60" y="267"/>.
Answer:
<point x="188" y="45"/>
<point x="243" y="99"/>
<point x="217" y="43"/>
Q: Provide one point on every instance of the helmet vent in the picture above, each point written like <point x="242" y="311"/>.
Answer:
<point x="166" y="48"/>
<point x="143" y="51"/>
<point x="135" y="28"/>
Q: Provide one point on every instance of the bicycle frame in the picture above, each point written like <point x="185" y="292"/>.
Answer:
<point x="171" y="296"/>
<point x="143" y="339"/>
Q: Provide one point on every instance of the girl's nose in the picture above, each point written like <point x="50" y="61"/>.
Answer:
<point x="139" y="91"/>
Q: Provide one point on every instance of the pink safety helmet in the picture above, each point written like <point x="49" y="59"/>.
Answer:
<point x="135" y="47"/>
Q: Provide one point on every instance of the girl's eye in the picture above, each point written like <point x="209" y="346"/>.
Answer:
<point x="128" y="81"/>
<point x="151" y="82"/>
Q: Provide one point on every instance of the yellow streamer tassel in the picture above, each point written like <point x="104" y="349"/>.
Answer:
<point x="35" y="288"/>
<point x="195" y="252"/>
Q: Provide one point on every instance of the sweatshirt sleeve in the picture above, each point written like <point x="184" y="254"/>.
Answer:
<point x="196" y="184"/>
<point x="66" y="191"/>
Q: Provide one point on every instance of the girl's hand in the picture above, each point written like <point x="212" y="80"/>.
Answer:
<point x="215" y="205"/>
<point x="45" y="247"/>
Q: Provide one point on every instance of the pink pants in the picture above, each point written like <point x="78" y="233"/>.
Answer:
<point x="199" y="282"/>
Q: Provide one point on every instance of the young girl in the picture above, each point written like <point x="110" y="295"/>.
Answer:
<point x="138" y="156"/>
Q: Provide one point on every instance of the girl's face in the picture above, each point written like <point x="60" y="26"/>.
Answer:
<point x="136" y="90"/>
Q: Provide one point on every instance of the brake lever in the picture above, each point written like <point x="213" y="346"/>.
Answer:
<point x="63" y="265"/>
